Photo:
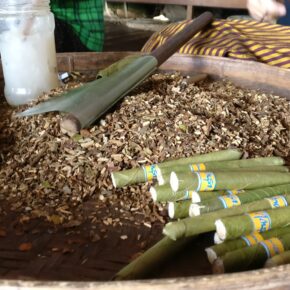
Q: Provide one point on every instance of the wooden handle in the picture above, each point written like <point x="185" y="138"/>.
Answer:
<point x="163" y="52"/>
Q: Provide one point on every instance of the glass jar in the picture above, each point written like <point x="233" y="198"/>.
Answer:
<point x="27" y="48"/>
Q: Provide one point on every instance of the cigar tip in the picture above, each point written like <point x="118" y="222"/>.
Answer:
<point x="171" y="209"/>
<point x="220" y="229"/>
<point x="153" y="193"/>
<point x="195" y="197"/>
<point x="174" y="182"/>
<point x="217" y="239"/>
<point x="194" y="210"/>
<point x="211" y="255"/>
<point x="160" y="178"/>
<point x="167" y="231"/>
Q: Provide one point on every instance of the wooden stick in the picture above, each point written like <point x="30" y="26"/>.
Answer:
<point x="162" y="53"/>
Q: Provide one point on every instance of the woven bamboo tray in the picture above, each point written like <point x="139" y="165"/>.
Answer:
<point x="38" y="269"/>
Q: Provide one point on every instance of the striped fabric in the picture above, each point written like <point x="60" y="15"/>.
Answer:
<point x="239" y="39"/>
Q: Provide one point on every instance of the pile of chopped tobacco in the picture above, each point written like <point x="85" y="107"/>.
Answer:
<point x="44" y="172"/>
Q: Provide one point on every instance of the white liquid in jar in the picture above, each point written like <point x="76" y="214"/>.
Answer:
<point x="29" y="62"/>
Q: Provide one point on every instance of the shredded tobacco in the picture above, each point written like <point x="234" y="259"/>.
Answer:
<point x="44" y="172"/>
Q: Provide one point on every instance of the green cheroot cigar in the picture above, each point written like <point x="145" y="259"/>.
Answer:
<point x="164" y="193"/>
<point x="149" y="261"/>
<point x="185" y="208"/>
<point x="148" y="173"/>
<point x="207" y="196"/>
<point x="252" y="257"/>
<point x="233" y="227"/>
<point x="210" y="181"/>
<point x="232" y="200"/>
<point x="278" y="260"/>
<point x="220" y="250"/>
<point x="206" y="223"/>
<point x="254" y="164"/>
<point x="198" y="197"/>
<point x="179" y="209"/>
<point x="163" y="175"/>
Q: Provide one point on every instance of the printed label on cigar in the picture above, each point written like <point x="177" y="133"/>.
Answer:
<point x="150" y="172"/>
<point x="234" y="191"/>
<point x="277" y="201"/>
<point x="273" y="247"/>
<point x="252" y="239"/>
<point x="206" y="181"/>
<point x="261" y="221"/>
<point x="229" y="201"/>
<point x="198" y="167"/>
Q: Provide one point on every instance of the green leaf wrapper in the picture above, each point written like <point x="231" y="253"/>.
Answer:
<point x="252" y="257"/>
<point x="205" y="223"/>
<point x="200" y="197"/>
<point x="220" y="250"/>
<point x="209" y="181"/>
<point x="179" y="209"/>
<point x="138" y="175"/>
<point x="233" y="227"/>
<point x="278" y="260"/>
<point x="244" y="197"/>
<point x="164" y="193"/>
<point x="254" y="164"/>
<point x="151" y="259"/>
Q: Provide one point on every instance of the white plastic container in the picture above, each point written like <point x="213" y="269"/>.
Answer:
<point x="27" y="48"/>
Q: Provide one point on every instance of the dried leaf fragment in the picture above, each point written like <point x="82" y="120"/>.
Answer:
<point x="3" y="233"/>
<point x="25" y="247"/>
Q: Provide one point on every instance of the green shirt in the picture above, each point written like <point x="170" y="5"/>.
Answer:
<point x="85" y="17"/>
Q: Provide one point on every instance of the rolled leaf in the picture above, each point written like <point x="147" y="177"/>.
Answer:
<point x="220" y="250"/>
<point x="200" y="197"/>
<point x="147" y="173"/>
<point x="87" y="103"/>
<point x="233" y="227"/>
<point x="260" y="164"/>
<point x="117" y="66"/>
<point x="206" y="223"/>
<point x="222" y="155"/>
<point x="278" y="260"/>
<point x="210" y="181"/>
<point x="246" y="196"/>
<point x="252" y="257"/>
<point x="179" y="209"/>
<point x="164" y="193"/>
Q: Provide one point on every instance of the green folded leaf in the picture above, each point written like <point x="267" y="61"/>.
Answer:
<point x="90" y="101"/>
<point x="117" y="66"/>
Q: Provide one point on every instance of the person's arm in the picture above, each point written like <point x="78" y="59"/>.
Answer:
<point x="266" y="10"/>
